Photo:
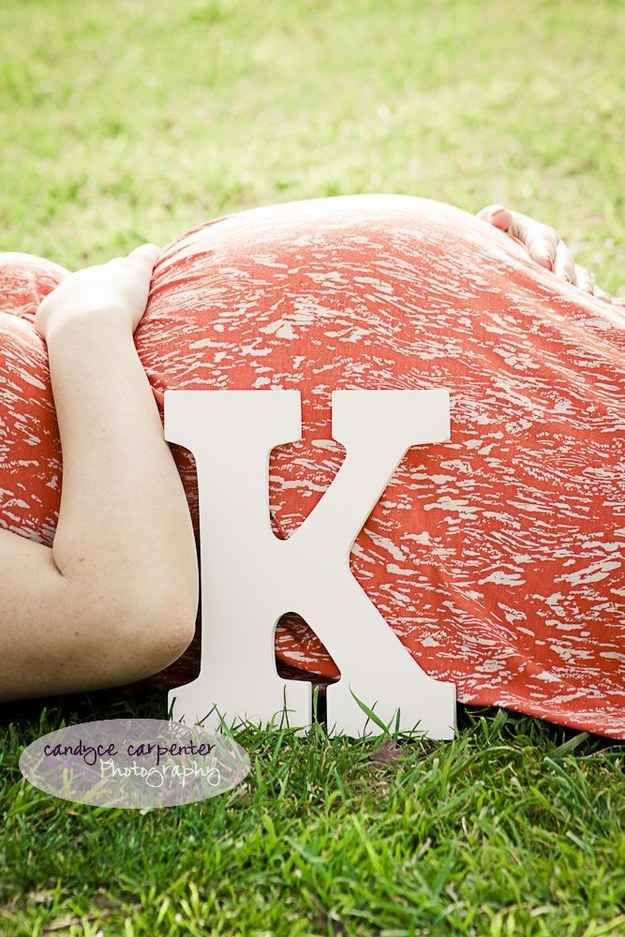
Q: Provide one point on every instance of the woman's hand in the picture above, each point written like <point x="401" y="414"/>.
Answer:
<point x="545" y="246"/>
<point x="117" y="289"/>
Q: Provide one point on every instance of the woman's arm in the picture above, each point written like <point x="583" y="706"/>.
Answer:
<point x="116" y="596"/>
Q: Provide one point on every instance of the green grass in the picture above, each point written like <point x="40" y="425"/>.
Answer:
<point x="511" y="829"/>
<point x="130" y="120"/>
<point x="127" y="121"/>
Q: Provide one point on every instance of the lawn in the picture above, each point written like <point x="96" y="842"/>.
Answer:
<point x="125" y="121"/>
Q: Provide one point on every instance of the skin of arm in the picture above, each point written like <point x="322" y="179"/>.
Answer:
<point x="115" y="597"/>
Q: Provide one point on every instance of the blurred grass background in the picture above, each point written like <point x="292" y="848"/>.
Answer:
<point x="123" y="121"/>
<point x="129" y="120"/>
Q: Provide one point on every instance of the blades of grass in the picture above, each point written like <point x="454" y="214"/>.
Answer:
<point x="373" y="716"/>
<point x="570" y="745"/>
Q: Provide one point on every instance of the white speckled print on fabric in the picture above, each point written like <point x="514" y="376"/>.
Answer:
<point x="498" y="557"/>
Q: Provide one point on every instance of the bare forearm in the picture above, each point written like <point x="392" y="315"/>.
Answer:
<point x="124" y="519"/>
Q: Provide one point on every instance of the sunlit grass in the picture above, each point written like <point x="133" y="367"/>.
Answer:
<point x="133" y="120"/>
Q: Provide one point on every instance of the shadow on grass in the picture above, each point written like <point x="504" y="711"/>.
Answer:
<point x="35" y="717"/>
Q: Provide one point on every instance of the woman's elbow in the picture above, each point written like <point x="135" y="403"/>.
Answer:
<point x="165" y="626"/>
<point x="150" y="630"/>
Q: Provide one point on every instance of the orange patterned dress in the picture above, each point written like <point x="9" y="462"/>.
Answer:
<point x="498" y="558"/>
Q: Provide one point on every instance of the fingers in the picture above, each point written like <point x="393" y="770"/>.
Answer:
<point x="545" y="246"/>
<point x="145" y="254"/>
<point x="564" y="266"/>
<point x="585" y="279"/>
<point x="541" y="241"/>
<point x="496" y="215"/>
<point x="142" y="258"/>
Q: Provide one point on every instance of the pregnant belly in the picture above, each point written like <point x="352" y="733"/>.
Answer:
<point x="497" y="558"/>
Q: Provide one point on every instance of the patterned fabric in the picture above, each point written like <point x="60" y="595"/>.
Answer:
<point x="497" y="557"/>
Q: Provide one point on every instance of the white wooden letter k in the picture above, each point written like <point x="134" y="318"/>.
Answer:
<point x="250" y="577"/>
